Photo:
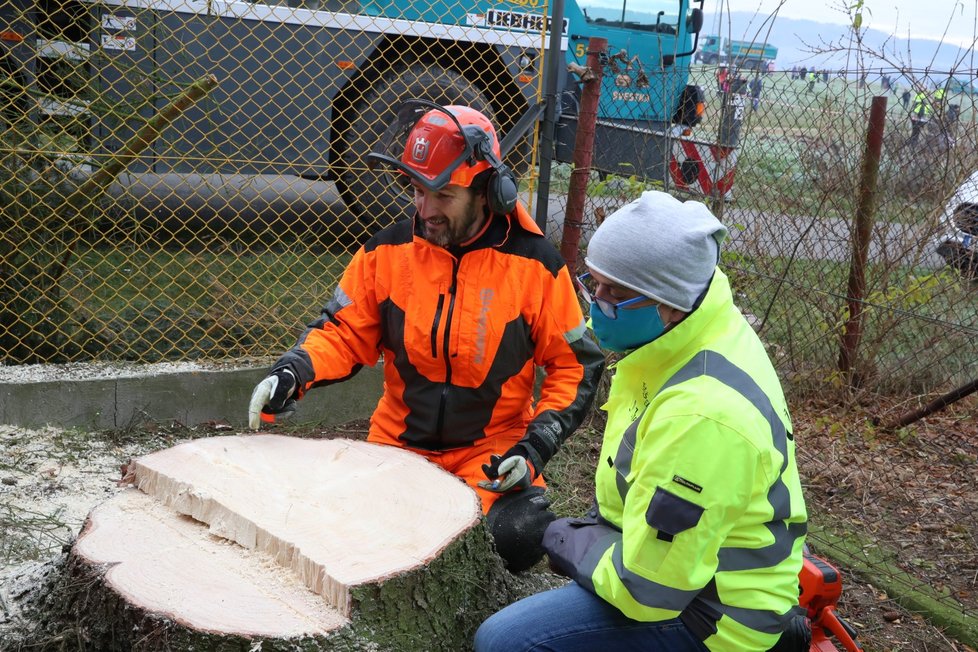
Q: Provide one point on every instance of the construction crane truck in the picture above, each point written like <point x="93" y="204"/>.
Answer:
<point x="308" y="87"/>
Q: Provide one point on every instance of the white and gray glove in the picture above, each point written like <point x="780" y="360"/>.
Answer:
<point x="273" y="398"/>
<point x="507" y="472"/>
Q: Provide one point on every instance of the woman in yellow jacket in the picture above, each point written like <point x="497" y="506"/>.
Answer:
<point x="695" y="541"/>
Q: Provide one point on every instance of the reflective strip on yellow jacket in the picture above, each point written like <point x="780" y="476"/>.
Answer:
<point x="697" y="473"/>
<point x="461" y="332"/>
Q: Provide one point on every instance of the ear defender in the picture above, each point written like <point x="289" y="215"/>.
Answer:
<point x="502" y="190"/>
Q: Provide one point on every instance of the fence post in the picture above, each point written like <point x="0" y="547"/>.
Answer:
<point x="733" y="104"/>
<point x="554" y="63"/>
<point x="587" y="118"/>
<point x="862" y="233"/>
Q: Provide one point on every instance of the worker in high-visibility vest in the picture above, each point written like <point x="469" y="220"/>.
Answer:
<point x="921" y="111"/>
<point x="946" y="116"/>
<point x="694" y="543"/>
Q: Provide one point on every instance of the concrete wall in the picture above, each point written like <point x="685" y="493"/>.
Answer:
<point x="189" y="398"/>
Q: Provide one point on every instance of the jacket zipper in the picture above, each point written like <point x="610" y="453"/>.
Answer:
<point x="434" y="326"/>
<point x="446" y="349"/>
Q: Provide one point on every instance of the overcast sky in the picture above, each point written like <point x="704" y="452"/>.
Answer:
<point x="923" y="18"/>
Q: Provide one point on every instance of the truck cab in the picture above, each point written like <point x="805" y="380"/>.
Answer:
<point x="710" y="51"/>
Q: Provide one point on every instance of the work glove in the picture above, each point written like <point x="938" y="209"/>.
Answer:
<point x="507" y="472"/>
<point x="272" y="398"/>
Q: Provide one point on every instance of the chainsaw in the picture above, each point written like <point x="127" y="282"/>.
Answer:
<point x="821" y="588"/>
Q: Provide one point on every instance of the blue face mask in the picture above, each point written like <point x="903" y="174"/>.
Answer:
<point x="630" y="330"/>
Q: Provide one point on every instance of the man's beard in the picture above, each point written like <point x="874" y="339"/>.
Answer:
<point x="456" y="233"/>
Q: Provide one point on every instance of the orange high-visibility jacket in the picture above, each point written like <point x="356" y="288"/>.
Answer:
<point x="461" y="331"/>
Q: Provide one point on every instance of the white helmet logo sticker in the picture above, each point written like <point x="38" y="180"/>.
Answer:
<point x="420" y="150"/>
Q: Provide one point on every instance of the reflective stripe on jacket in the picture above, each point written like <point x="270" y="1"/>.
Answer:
<point x="701" y="513"/>
<point x="461" y="332"/>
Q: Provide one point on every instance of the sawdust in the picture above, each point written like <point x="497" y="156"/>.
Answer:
<point x="50" y="479"/>
<point x="53" y="477"/>
<point x="40" y="373"/>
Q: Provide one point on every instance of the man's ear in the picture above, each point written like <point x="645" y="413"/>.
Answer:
<point x="480" y="197"/>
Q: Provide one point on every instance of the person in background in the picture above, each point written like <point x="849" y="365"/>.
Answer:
<point x="723" y="81"/>
<point x="464" y="302"/>
<point x="756" y="86"/>
<point x="940" y="96"/>
<point x="921" y="112"/>
<point x="696" y="536"/>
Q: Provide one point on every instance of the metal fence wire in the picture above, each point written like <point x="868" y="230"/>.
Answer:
<point x="186" y="180"/>
<point x="807" y="204"/>
<point x="899" y="507"/>
<point x="800" y="192"/>
<point x="239" y="133"/>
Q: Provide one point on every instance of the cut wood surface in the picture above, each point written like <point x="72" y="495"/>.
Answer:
<point x="313" y="520"/>
<point x="336" y="512"/>
<point x="167" y="563"/>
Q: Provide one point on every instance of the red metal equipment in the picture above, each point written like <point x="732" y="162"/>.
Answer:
<point x="821" y="588"/>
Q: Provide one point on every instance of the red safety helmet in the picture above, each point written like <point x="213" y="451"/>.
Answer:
<point x="446" y="145"/>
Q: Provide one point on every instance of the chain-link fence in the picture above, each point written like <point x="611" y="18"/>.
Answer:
<point x="863" y="276"/>
<point x="187" y="179"/>
<point x="898" y="320"/>
<point x="801" y="194"/>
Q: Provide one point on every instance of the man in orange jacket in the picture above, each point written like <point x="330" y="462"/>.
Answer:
<point x="464" y="301"/>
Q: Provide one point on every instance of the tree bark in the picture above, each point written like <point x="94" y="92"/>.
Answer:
<point x="278" y="543"/>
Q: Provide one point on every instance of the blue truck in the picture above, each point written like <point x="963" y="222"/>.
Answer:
<point x="748" y="55"/>
<point x="308" y="87"/>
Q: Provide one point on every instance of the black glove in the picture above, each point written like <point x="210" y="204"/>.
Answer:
<point x="517" y="522"/>
<point x="273" y="397"/>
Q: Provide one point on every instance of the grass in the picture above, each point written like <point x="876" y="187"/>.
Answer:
<point x="916" y="328"/>
<point x="27" y="535"/>
<point x="151" y="303"/>
<point x="799" y="147"/>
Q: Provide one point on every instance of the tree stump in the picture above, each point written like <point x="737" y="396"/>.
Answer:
<point x="267" y="542"/>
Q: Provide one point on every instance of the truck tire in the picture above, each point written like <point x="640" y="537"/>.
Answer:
<point x="375" y="196"/>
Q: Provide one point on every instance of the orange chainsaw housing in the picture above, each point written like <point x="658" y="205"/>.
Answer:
<point x="821" y="588"/>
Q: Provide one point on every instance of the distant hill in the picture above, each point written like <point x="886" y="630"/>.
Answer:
<point x="807" y="43"/>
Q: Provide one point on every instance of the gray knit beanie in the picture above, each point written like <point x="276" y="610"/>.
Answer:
<point x="660" y="247"/>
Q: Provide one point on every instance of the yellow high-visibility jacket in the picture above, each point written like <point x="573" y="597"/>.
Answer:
<point x="700" y="513"/>
<point x="922" y="108"/>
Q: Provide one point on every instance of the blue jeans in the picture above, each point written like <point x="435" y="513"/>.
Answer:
<point x="572" y="619"/>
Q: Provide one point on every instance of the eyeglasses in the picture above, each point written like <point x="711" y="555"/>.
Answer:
<point x="588" y="288"/>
